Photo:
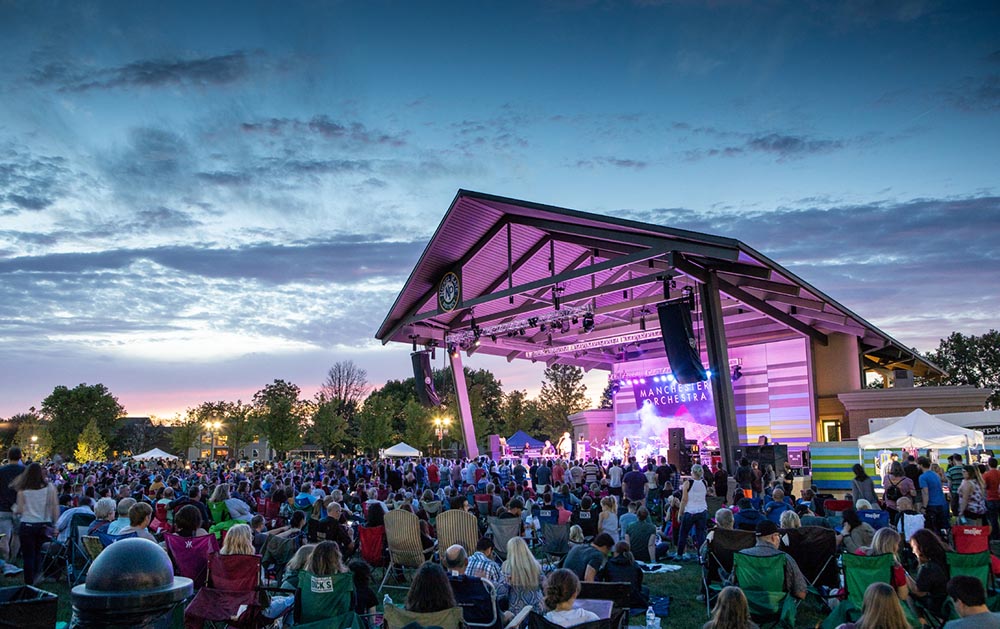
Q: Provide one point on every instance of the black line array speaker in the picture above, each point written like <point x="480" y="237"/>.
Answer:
<point x="679" y="342"/>
<point x="423" y="378"/>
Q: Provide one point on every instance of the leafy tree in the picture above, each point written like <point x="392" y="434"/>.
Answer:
<point x="562" y="394"/>
<point x="419" y="429"/>
<point x="607" y="398"/>
<point x="185" y="433"/>
<point x="92" y="445"/>
<point x="238" y="424"/>
<point x="137" y="436"/>
<point x="70" y="410"/>
<point x="345" y="386"/>
<point x="280" y="415"/>
<point x="971" y="360"/>
<point x="329" y="425"/>
<point x="375" y="423"/>
<point x="515" y="412"/>
<point x="33" y="436"/>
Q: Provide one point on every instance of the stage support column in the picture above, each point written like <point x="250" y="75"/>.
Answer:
<point x="464" y="409"/>
<point x="718" y="361"/>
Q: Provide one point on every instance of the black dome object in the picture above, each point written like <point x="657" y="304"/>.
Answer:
<point x="133" y="565"/>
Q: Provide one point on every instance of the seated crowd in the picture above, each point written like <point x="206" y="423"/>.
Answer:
<point x="317" y="514"/>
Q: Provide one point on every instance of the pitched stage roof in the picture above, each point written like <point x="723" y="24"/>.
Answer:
<point x="517" y="259"/>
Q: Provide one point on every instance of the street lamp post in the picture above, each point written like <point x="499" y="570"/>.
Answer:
<point x="441" y="430"/>
<point x="213" y="426"/>
<point x="34" y="447"/>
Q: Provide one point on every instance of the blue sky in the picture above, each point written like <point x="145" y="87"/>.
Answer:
<point x="197" y="199"/>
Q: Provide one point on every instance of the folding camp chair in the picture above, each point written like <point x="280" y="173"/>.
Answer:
<point x="555" y="542"/>
<point x="190" y="555"/>
<point x="402" y="532"/>
<point x="859" y="572"/>
<point x="875" y="517"/>
<point x="218" y="511"/>
<point x="717" y="566"/>
<point x="502" y="530"/>
<point x="970" y="539"/>
<point x="163" y="516"/>
<point x="619" y="594"/>
<point x="835" y="511"/>
<point x="762" y="580"/>
<point x="278" y="551"/>
<point x="537" y="621"/>
<point x="320" y="598"/>
<point x="455" y="526"/>
<point x="107" y="540"/>
<point x="478" y="600"/>
<point x="814" y="550"/>
<point x="233" y="595"/>
<point x="71" y="555"/>
<point x="372" y="542"/>
<point x="397" y="618"/>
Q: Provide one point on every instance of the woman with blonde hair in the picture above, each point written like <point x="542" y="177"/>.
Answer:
<point x="731" y="611"/>
<point x="576" y="534"/>
<point x="607" y="521"/>
<point x="881" y="610"/>
<point x="239" y="541"/>
<point x="886" y="542"/>
<point x="693" y="512"/>
<point x="522" y="578"/>
<point x="790" y="520"/>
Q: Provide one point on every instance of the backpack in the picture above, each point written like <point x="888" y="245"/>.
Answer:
<point x="892" y="492"/>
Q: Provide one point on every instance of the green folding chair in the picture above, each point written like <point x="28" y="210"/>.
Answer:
<point x="218" y="511"/>
<point x="328" y="598"/>
<point x="975" y="565"/>
<point x="762" y="580"/>
<point x="860" y="572"/>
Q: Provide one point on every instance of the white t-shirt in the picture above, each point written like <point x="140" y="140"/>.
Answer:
<point x="615" y="476"/>
<point x="571" y="617"/>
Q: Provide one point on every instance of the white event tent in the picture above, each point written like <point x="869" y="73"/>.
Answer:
<point x="155" y="453"/>
<point x="918" y="430"/>
<point x="401" y="449"/>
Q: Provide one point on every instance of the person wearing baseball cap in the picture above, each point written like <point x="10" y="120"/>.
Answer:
<point x="768" y="540"/>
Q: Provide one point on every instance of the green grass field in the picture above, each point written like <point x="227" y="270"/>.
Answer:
<point x="686" y="612"/>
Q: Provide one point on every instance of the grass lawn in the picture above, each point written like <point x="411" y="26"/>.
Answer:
<point x="682" y="587"/>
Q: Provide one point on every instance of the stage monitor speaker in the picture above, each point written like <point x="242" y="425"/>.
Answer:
<point x="679" y="342"/>
<point x="423" y="378"/>
<point x="675" y="437"/>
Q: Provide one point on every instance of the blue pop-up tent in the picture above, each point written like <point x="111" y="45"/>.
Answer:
<point x="521" y="440"/>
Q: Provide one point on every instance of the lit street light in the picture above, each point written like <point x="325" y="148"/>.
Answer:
<point x="213" y="426"/>
<point x="441" y="430"/>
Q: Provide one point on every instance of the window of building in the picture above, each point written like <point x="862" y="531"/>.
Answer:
<point x="830" y="429"/>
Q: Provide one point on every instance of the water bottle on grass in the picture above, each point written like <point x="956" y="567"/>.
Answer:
<point x="650" y="618"/>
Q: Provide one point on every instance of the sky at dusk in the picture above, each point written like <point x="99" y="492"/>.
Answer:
<point x="196" y="199"/>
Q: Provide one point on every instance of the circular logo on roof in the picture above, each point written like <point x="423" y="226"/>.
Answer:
<point x="449" y="291"/>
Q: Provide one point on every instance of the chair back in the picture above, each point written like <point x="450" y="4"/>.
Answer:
<point x="761" y="574"/>
<point x="372" y="540"/>
<point x="108" y="540"/>
<point x="861" y="571"/>
<point x="875" y="517"/>
<point x="724" y="545"/>
<point x="455" y="526"/>
<point x="234" y="573"/>
<point x="323" y="596"/>
<point x="502" y="530"/>
<point x="971" y="539"/>
<point x="814" y="549"/>
<point x="161" y="512"/>
<point x="402" y="532"/>
<point x="190" y="555"/>
<point x="397" y="618"/>
<point x="92" y="544"/>
<point x="478" y="600"/>
<point x="278" y="551"/>
<point x="911" y="524"/>
<point x="970" y="565"/>
<point x="618" y="592"/>
<point x="537" y="621"/>
<point x="555" y="538"/>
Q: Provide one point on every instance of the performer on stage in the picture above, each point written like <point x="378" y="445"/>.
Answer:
<point x="626" y="450"/>
<point x="504" y="448"/>
<point x="548" y="450"/>
<point x="565" y="446"/>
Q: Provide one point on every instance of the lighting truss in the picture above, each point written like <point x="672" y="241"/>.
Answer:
<point x="561" y="316"/>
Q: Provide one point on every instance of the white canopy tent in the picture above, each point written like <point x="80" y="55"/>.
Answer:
<point x="401" y="450"/>
<point x="920" y="429"/>
<point x="155" y="453"/>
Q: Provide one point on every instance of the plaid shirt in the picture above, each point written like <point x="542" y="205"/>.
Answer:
<point x="483" y="567"/>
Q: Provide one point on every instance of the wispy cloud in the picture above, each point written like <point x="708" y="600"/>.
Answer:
<point x="30" y="182"/>
<point x="152" y="73"/>
<point x="783" y="146"/>
<point x="617" y="162"/>
<point x="974" y="94"/>
<point x="324" y="126"/>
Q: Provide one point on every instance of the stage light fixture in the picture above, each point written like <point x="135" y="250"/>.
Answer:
<point x="642" y="381"/>
<point x="476" y="342"/>
<point x="588" y="321"/>
<point x="670" y="377"/>
<point x="542" y="327"/>
<point x="708" y="373"/>
<point x="532" y="321"/>
<point x="452" y="350"/>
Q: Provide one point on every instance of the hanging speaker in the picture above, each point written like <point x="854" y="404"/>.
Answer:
<point x="423" y="378"/>
<point x="679" y="341"/>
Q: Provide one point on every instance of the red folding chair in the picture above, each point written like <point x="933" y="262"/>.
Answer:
<point x="190" y="555"/>
<point x="971" y="540"/>
<point x="373" y="543"/>
<point x="233" y="594"/>
<point x="835" y="510"/>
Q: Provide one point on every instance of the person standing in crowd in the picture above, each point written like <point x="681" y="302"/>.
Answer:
<point x="954" y="474"/>
<point x="693" y="512"/>
<point x="9" y="543"/>
<point x="935" y="505"/>
<point x="896" y="484"/>
<point x="635" y="484"/>
<point x="37" y="506"/>
<point x="972" y="495"/>
<point x="862" y="486"/>
<point x="721" y="482"/>
<point x="744" y="477"/>
<point x="615" y="474"/>
<point x="787" y="479"/>
<point x="991" y="479"/>
<point x="912" y="471"/>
